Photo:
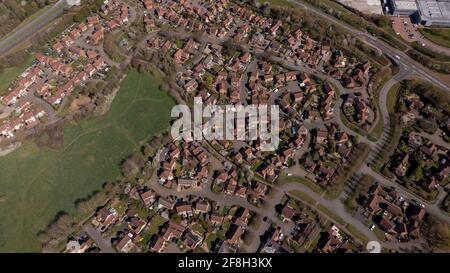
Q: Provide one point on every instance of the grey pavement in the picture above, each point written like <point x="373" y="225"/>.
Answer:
<point x="101" y="242"/>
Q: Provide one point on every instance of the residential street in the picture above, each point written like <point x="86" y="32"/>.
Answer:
<point x="382" y="46"/>
<point x="103" y="243"/>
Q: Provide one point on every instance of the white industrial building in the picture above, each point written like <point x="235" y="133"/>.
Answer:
<point x="426" y="12"/>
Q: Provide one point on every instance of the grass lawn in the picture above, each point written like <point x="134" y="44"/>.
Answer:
<point x="303" y="197"/>
<point x="331" y="214"/>
<point x="38" y="183"/>
<point x="380" y="234"/>
<point x="305" y="181"/>
<point x="211" y="237"/>
<point x="440" y="36"/>
<point x="392" y="97"/>
<point x="197" y="227"/>
<point x="9" y="74"/>
<point x="357" y="234"/>
<point x="282" y="3"/>
<point x="155" y="223"/>
<point x="377" y="130"/>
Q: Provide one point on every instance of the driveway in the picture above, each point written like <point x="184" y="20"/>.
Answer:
<point x="101" y="242"/>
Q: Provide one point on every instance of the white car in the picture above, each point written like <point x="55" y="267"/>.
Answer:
<point x="397" y="57"/>
<point x="372" y="227"/>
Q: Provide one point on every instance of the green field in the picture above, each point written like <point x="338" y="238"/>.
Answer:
<point x="9" y="74"/>
<point x="440" y="36"/>
<point x="392" y="98"/>
<point x="36" y="184"/>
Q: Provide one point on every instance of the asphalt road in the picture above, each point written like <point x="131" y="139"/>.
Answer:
<point x="25" y="32"/>
<point x="377" y="43"/>
<point x="101" y="242"/>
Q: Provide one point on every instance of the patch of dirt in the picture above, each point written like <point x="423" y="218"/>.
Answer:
<point x="79" y="101"/>
<point x="52" y="137"/>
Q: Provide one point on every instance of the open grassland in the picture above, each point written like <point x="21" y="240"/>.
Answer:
<point x="37" y="184"/>
<point x="9" y="74"/>
<point x="440" y="36"/>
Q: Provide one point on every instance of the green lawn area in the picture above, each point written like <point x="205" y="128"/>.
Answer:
<point x="197" y="227"/>
<point x="377" y="130"/>
<point x="155" y="223"/>
<point x="357" y="234"/>
<point x="38" y="183"/>
<point x="303" y="197"/>
<point x="282" y="3"/>
<point x="305" y="181"/>
<point x="9" y="74"/>
<point x="211" y="237"/>
<point x="331" y="214"/>
<point x="392" y="97"/>
<point x="440" y="36"/>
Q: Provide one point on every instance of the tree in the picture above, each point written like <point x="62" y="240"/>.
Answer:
<point x="436" y="233"/>
<point x="129" y="168"/>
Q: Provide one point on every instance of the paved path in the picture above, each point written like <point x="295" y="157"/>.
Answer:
<point x="101" y="242"/>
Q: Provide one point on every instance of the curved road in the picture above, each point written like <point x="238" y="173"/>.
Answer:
<point x="380" y="45"/>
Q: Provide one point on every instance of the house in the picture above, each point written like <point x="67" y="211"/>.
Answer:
<point x="187" y="184"/>
<point x="181" y="56"/>
<point x="201" y="206"/>
<point x="191" y="86"/>
<point x="216" y="220"/>
<point x="321" y="135"/>
<point x="246" y="57"/>
<point x="125" y="243"/>
<point x="148" y="197"/>
<point x="386" y="225"/>
<point x="231" y="186"/>
<point x="234" y="234"/>
<point x="173" y="230"/>
<point x="242" y="216"/>
<point x="184" y="209"/>
<point x="341" y="138"/>
<point x="371" y="203"/>
<point x="93" y="20"/>
<point x="136" y="225"/>
<point x="400" y="171"/>
<point x="23" y="105"/>
<point x="394" y="210"/>
<point x="97" y="36"/>
<point x="164" y="203"/>
<point x="157" y="244"/>
<point x="241" y="192"/>
<point x="287" y="213"/>
<point x="192" y="239"/>
<point x="104" y="218"/>
<point x="291" y="76"/>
